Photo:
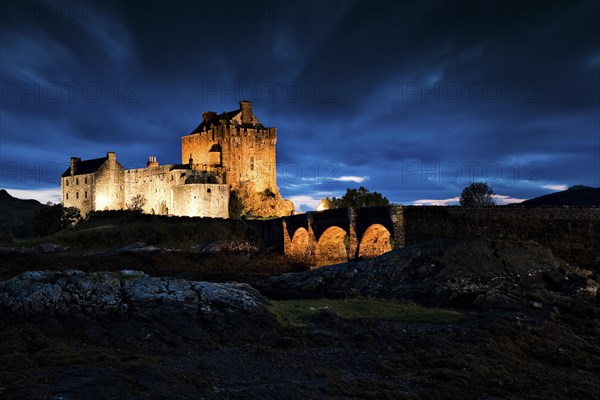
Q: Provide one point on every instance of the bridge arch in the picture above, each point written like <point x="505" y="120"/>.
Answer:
<point x="332" y="247"/>
<point x="375" y="241"/>
<point x="299" y="244"/>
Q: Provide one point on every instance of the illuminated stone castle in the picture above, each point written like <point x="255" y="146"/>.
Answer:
<point x="225" y="152"/>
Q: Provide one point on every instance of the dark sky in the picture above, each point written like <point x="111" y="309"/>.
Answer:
<point x="413" y="99"/>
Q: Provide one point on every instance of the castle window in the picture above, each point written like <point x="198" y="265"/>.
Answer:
<point x="77" y="181"/>
<point x="85" y="195"/>
<point x="77" y="195"/>
<point x="208" y="190"/>
<point x="251" y="163"/>
<point x="67" y="196"/>
<point x="85" y="180"/>
<point x="67" y="182"/>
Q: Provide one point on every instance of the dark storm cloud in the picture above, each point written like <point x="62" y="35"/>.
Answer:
<point x="413" y="99"/>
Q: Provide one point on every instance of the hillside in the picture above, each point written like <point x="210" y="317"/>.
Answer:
<point x="16" y="214"/>
<point x="573" y="196"/>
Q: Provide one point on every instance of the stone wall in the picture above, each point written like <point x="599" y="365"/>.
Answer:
<point x="247" y="154"/>
<point x="201" y="200"/>
<point x="78" y="191"/>
<point x="573" y="234"/>
<point x="108" y="185"/>
<point x="164" y="190"/>
<point x="155" y="184"/>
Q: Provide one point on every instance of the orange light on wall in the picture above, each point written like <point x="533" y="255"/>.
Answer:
<point x="321" y="206"/>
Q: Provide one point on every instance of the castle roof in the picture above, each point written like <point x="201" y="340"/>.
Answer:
<point x="86" y="166"/>
<point x="211" y="120"/>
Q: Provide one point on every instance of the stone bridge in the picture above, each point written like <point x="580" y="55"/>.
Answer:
<point x="338" y="235"/>
<point x="333" y="236"/>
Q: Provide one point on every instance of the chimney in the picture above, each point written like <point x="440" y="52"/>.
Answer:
<point x="112" y="155"/>
<point x="74" y="162"/>
<point x="152" y="162"/>
<point x="208" y="115"/>
<point x="246" y="107"/>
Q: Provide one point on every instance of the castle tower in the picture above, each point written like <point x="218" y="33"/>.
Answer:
<point x="235" y="146"/>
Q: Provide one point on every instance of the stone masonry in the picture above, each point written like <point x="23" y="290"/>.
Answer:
<point x="224" y="152"/>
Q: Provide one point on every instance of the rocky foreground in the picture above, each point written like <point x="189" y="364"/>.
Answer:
<point x="531" y="329"/>
<point x="472" y="274"/>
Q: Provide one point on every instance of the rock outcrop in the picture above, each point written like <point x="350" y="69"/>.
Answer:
<point x="227" y="248"/>
<point x="40" y="248"/>
<point x="261" y="204"/>
<point x="233" y="310"/>
<point x="471" y="273"/>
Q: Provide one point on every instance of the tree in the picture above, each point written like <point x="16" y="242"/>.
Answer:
<point x="477" y="194"/>
<point x="54" y="218"/>
<point x="356" y="198"/>
<point x="137" y="203"/>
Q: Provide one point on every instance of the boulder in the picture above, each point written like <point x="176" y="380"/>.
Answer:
<point x="127" y="300"/>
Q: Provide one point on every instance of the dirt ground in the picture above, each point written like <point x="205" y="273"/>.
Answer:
<point x="522" y="353"/>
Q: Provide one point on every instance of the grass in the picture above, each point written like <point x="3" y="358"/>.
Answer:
<point x="114" y="229"/>
<point x="297" y="312"/>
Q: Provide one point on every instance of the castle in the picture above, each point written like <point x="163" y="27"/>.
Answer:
<point x="225" y="152"/>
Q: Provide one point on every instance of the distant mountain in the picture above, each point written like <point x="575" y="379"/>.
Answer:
<point x="573" y="196"/>
<point x="16" y="214"/>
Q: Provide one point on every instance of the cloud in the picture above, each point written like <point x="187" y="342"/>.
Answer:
<point x="410" y="127"/>
<point x="305" y="203"/>
<point x="436" y="202"/>
<point x="357" y="179"/>
<point x="503" y="200"/>
<point x="500" y="200"/>
<point x="555" y="187"/>
<point x="41" y="195"/>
